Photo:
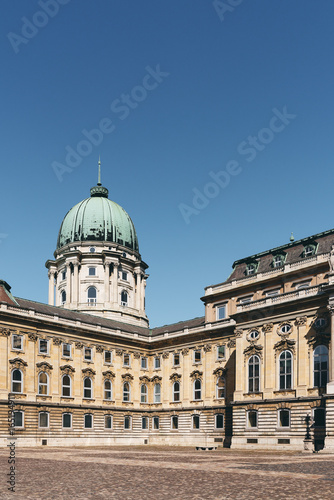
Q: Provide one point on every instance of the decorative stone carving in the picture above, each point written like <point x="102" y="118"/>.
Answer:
<point x="18" y="363"/>
<point x="67" y="369"/>
<point x="185" y="351"/>
<point x="219" y="372"/>
<point x="57" y="341"/>
<point x="207" y="347"/>
<point x="79" y="345"/>
<point x="136" y="355"/>
<point x="252" y="406"/>
<point x="145" y="379"/>
<point x="320" y="338"/>
<point x="267" y="327"/>
<point x="285" y="344"/>
<point x="175" y="377"/>
<point x="108" y="374"/>
<point x="253" y="349"/>
<point x="301" y="321"/>
<point x="32" y="336"/>
<point x="238" y="333"/>
<point x="281" y="333"/>
<point x="5" y="332"/>
<point x="196" y="374"/>
<point x="231" y="343"/>
<point x="119" y="352"/>
<point x="127" y="377"/>
<point x="156" y="379"/>
<point x="283" y="405"/>
<point x="43" y="366"/>
<point x="165" y="355"/>
<point x="88" y="372"/>
<point x="100" y="348"/>
<point x="331" y="310"/>
<point x="331" y="260"/>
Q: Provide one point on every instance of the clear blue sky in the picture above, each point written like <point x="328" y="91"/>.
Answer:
<point x="223" y="74"/>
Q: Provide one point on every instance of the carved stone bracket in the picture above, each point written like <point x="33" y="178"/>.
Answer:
<point x="119" y="352"/>
<point x="331" y="310"/>
<point x="165" y="355"/>
<point x="238" y="333"/>
<point x="185" y="351"/>
<point x="302" y="320"/>
<point x="283" y="405"/>
<point x="196" y="374"/>
<point x="127" y="377"/>
<point x="156" y="379"/>
<point x="231" y="343"/>
<point x="67" y="369"/>
<point x="108" y="374"/>
<point x="268" y="327"/>
<point x="175" y="377"/>
<point x="32" y="336"/>
<point x="145" y="379"/>
<point x="5" y="332"/>
<point x="136" y="355"/>
<point x="79" y="345"/>
<point x="252" y="406"/>
<point x="207" y="347"/>
<point x="100" y="348"/>
<point x="57" y="341"/>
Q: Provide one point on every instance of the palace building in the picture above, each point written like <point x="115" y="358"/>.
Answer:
<point x="257" y="370"/>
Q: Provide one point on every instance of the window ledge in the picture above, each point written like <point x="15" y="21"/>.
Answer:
<point x="108" y="401"/>
<point x="67" y="398"/>
<point x="196" y="401"/>
<point x="43" y="397"/>
<point x="17" y="395"/>
<point x="44" y="355"/>
<point x="88" y="362"/>
<point x="285" y="392"/>
<point x="125" y="403"/>
<point x="88" y="400"/>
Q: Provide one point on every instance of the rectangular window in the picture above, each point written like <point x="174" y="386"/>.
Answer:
<point x="221" y="312"/>
<point x="67" y="420"/>
<point x="219" y="421"/>
<point x="144" y="423"/>
<point x="143" y="363"/>
<point x="63" y="275"/>
<point x="246" y="300"/>
<point x="157" y="363"/>
<point x="18" y="419"/>
<point x="43" y="346"/>
<point x="108" y="421"/>
<point x="88" y="354"/>
<point x="108" y="357"/>
<point x="88" y="421"/>
<point x="126" y="359"/>
<point x="175" y="422"/>
<point x="195" y="422"/>
<point x="252" y="418"/>
<point x="43" y="419"/>
<point x="155" y="423"/>
<point x="272" y="293"/>
<point x="124" y="276"/>
<point x="284" y="418"/>
<point x="17" y="342"/>
<point x="67" y="350"/>
<point x="221" y="352"/>
<point x="197" y="356"/>
<point x="92" y="271"/>
<point x="127" y="422"/>
<point x="176" y="359"/>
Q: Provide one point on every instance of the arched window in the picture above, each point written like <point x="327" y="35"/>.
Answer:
<point x="126" y="391"/>
<point x="176" y="391"/>
<point x="320" y="366"/>
<point x="157" y="393"/>
<point x="108" y="390"/>
<point x="43" y="384"/>
<point x="285" y="370"/>
<point x="220" y="388"/>
<point x="43" y="419"/>
<point x="254" y="374"/>
<point x="91" y="295"/>
<point x="66" y="386"/>
<point x="143" y="393"/>
<point x="197" y="389"/>
<point x="63" y="297"/>
<point x="124" y="298"/>
<point x="88" y="388"/>
<point x="17" y="381"/>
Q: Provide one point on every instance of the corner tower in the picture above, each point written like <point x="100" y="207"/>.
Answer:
<point x="98" y="268"/>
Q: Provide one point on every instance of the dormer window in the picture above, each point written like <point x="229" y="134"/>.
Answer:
<point x="309" y="250"/>
<point x="278" y="260"/>
<point x="251" y="268"/>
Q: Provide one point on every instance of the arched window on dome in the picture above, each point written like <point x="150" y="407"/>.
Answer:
<point x="91" y="295"/>
<point x="124" y="298"/>
<point x="63" y="297"/>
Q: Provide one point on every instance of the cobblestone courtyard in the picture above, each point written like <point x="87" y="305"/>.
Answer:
<point x="154" y="473"/>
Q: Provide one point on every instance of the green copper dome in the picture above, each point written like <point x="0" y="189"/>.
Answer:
<point x="98" y="219"/>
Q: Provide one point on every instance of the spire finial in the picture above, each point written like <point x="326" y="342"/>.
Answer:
<point x="292" y="238"/>
<point x="99" y="176"/>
